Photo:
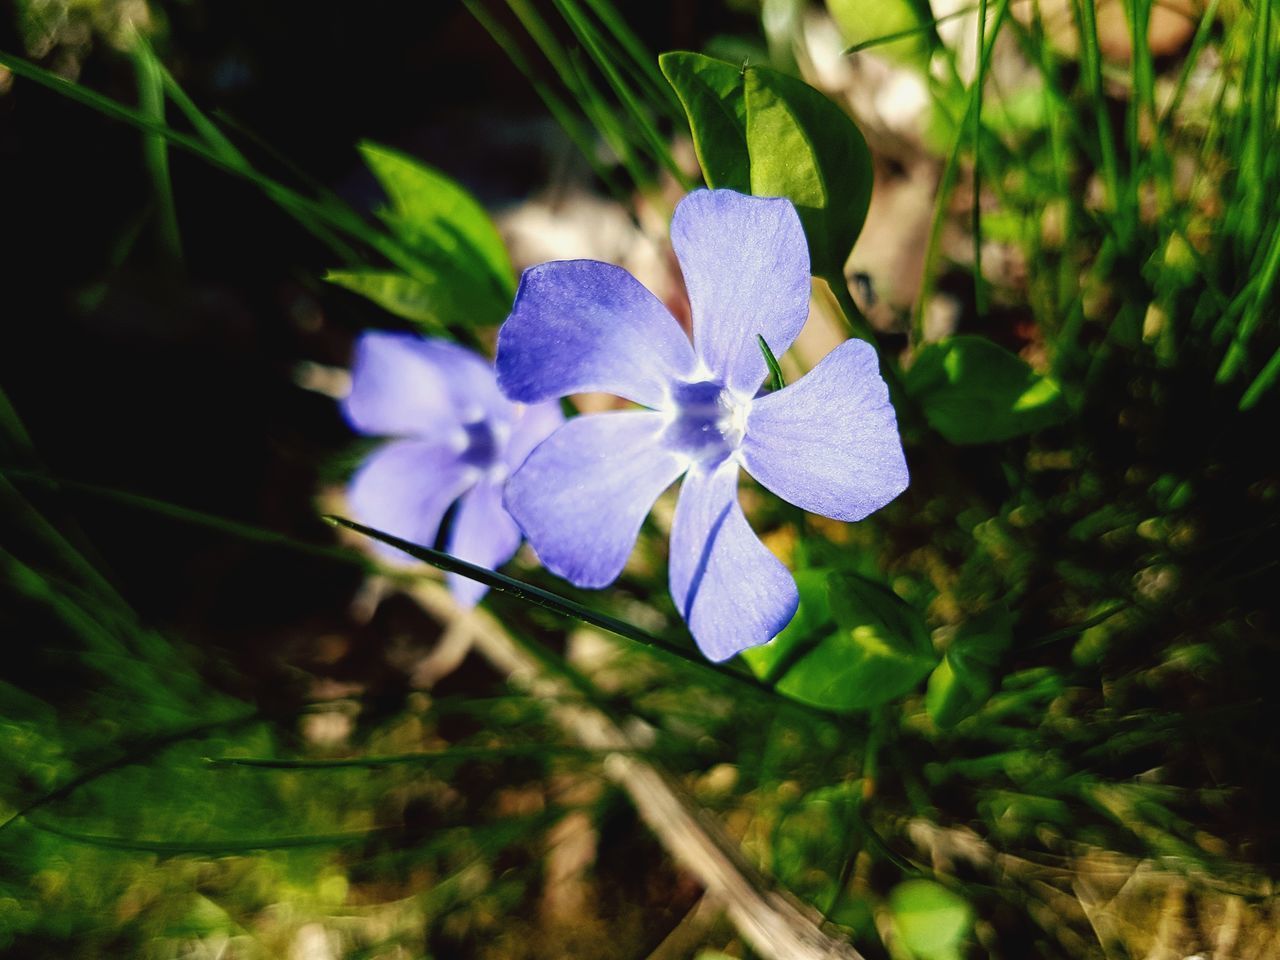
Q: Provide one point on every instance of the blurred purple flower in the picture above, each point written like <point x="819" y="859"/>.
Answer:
<point x="827" y="443"/>
<point x="455" y="437"/>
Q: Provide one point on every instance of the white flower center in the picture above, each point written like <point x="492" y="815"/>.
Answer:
<point x="706" y="422"/>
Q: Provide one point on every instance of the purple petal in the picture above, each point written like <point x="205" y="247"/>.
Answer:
<point x="405" y="487"/>
<point x="829" y="442"/>
<point x="403" y="385"/>
<point x="583" y="493"/>
<point x="579" y="326"/>
<point x="729" y="588"/>
<point x="534" y="423"/>
<point x="746" y="266"/>
<point x="484" y="534"/>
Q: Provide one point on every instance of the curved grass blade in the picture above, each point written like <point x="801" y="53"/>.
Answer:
<point x="216" y="847"/>
<point x="454" y="754"/>
<point x="304" y="209"/>
<point x="561" y="605"/>
<point x="905" y="34"/>
<point x="155" y="150"/>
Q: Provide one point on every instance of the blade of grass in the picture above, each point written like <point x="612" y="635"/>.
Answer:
<point x="1264" y="381"/>
<point x="1189" y="61"/>
<point x="776" y="381"/>
<point x="587" y="35"/>
<point x="565" y="607"/>
<point x="1238" y="353"/>
<point x="980" y="76"/>
<point x="909" y="32"/>
<point x="946" y="184"/>
<point x="557" y="107"/>
<point x="645" y="62"/>
<point x="1091" y="72"/>
<point x="599" y="111"/>
<point x="454" y="754"/>
<point x="133" y="754"/>
<point x="155" y="149"/>
<point x="342" y="218"/>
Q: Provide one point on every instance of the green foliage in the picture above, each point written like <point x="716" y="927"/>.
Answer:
<point x="465" y="276"/>
<point x="432" y="303"/>
<point x="431" y="212"/>
<point x="758" y="126"/>
<point x="813" y="844"/>
<point x="974" y="391"/>
<point x="963" y="681"/>
<point x="852" y="645"/>
<point x="932" y="921"/>
<point x="805" y="148"/>
<point x="711" y="92"/>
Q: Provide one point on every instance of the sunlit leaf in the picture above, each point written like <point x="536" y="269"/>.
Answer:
<point x="429" y="300"/>
<point x="974" y="391"/>
<point x="427" y="208"/>
<point x="711" y="92"/>
<point x="931" y="921"/>
<point x="963" y="681"/>
<point x="804" y="147"/>
<point x="852" y="645"/>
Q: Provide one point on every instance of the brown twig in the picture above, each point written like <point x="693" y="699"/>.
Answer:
<point x="773" y="923"/>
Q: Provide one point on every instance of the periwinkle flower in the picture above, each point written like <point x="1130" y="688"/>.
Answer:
<point x="828" y="442"/>
<point x="455" y="437"/>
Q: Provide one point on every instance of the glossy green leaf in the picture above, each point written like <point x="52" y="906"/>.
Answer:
<point x="804" y="147"/>
<point x="813" y="617"/>
<point x="852" y="645"/>
<point x="974" y="391"/>
<point x="711" y="92"/>
<point x="932" y="922"/>
<point x="430" y="304"/>
<point x="965" y="678"/>
<point x="436" y="215"/>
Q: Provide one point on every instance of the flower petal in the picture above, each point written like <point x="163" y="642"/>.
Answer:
<point x="403" y="385"/>
<point x="405" y="487"/>
<point x="726" y="584"/>
<point x="482" y="533"/>
<point x="580" y="326"/>
<point x="829" y="442"/>
<point x="534" y="423"/>
<point x="583" y="493"/>
<point x="746" y="266"/>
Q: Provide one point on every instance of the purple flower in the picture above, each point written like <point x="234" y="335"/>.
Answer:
<point x="827" y="443"/>
<point x="456" y="437"/>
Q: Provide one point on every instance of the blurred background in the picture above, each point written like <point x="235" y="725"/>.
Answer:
<point x="227" y="731"/>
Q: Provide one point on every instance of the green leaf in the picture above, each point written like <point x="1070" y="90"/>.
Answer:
<point x="894" y="27"/>
<point x="804" y="147"/>
<point x="429" y="304"/>
<point x="436" y="215"/>
<point x="776" y="380"/>
<point x="932" y="921"/>
<point x="973" y="391"/>
<point x="813" y="840"/>
<point x="852" y="645"/>
<point x="711" y="92"/>
<point x="965" y="678"/>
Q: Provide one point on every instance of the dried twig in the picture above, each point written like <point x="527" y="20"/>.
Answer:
<point x="773" y="923"/>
